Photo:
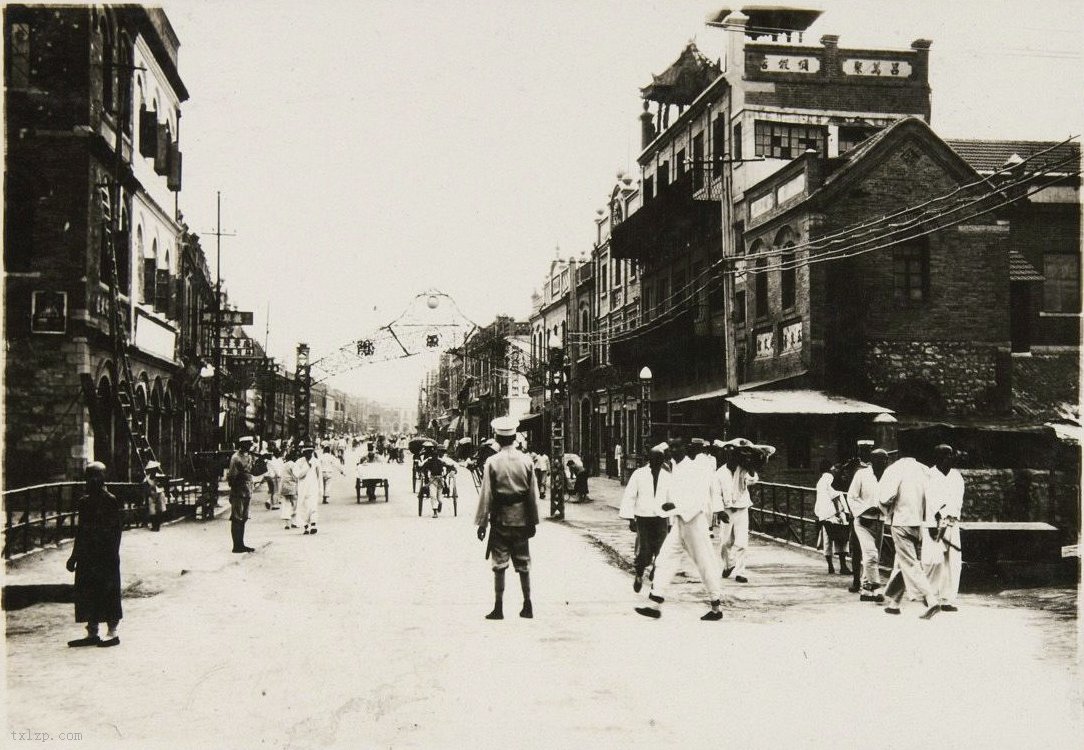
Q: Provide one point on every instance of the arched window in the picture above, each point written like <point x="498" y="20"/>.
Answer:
<point x="109" y="91"/>
<point x="150" y="266"/>
<point x="788" y="274"/>
<point x="124" y="251"/>
<point x="760" y="287"/>
<point x="124" y="80"/>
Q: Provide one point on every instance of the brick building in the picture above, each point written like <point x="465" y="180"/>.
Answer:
<point x="74" y="76"/>
<point x="738" y="122"/>
<point x="773" y="155"/>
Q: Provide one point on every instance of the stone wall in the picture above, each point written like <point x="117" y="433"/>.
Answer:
<point x="964" y="375"/>
<point x="1023" y="495"/>
<point x="1043" y="381"/>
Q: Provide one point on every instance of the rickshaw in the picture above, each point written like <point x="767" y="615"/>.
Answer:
<point x="445" y="485"/>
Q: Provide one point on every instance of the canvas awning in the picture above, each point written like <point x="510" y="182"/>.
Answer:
<point x="802" y="401"/>
<point x="721" y="392"/>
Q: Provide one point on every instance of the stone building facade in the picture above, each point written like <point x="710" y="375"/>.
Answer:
<point x="75" y="76"/>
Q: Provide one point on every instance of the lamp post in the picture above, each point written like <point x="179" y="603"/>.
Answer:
<point x="645" y="412"/>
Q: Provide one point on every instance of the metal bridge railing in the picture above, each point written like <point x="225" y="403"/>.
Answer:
<point x="784" y="512"/>
<point x="45" y="514"/>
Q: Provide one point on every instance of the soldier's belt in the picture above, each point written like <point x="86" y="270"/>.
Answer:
<point x="502" y="500"/>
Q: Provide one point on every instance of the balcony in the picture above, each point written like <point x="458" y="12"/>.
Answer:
<point x="666" y="223"/>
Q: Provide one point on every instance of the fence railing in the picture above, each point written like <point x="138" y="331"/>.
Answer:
<point x="785" y="512"/>
<point x="45" y="514"/>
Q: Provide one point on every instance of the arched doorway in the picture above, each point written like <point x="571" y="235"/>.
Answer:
<point x="104" y="428"/>
<point x="168" y="451"/>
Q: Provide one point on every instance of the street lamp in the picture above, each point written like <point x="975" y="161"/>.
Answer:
<point x="645" y="411"/>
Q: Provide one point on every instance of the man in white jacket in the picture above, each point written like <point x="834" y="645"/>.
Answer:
<point x="692" y="499"/>
<point x="902" y="493"/>
<point x="641" y="505"/>
<point x="734" y="481"/>
<point x="862" y="497"/>
<point x="309" y="488"/>
<point x="941" y="553"/>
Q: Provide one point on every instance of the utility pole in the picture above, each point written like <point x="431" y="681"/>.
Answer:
<point x="216" y="334"/>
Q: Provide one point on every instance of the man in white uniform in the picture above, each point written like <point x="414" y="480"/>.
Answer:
<point x="862" y="497"/>
<point x="692" y="500"/>
<point x="641" y="505"/>
<point x="902" y="493"/>
<point x="831" y="511"/>
<point x="309" y="488"/>
<point x="734" y="481"/>
<point x="941" y="552"/>
<point x="329" y="463"/>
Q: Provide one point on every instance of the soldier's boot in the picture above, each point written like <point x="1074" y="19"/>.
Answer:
<point x="498" y="596"/>
<point x="843" y="569"/>
<point x="156" y="522"/>
<point x="525" y="584"/>
<point x="831" y="567"/>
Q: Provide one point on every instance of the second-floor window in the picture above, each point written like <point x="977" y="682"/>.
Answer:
<point x="1061" y="287"/>
<point x="910" y="273"/>
<point x="782" y="140"/>
<point x="760" y="288"/>
<point x="18" y="56"/>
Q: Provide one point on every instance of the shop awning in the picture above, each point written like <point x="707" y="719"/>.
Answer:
<point x="802" y="401"/>
<point x="721" y="392"/>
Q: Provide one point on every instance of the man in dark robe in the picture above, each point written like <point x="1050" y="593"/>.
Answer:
<point x="95" y="560"/>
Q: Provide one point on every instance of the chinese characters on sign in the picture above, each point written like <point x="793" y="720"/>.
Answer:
<point x="792" y="338"/>
<point x="885" y="68"/>
<point x="790" y="64"/>
<point x="764" y="345"/>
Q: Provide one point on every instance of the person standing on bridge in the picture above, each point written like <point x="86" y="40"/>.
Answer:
<point x="239" y="480"/>
<point x="641" y="505"/>
<point x="862" y="498"/>
<point x="95" y="560"/>
<point x="735" y="477"/>
<point x="508" y="504"/>
<point x="309" y="487"/>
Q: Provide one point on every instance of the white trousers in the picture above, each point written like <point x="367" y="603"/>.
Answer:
<point x="308" y="503"/>
<point x="944" y="575"/>
<point x="871" y="572"/>
<point x="735" y="535"/>
<point x="691" y="537"/>
<point x="289" y="506"/>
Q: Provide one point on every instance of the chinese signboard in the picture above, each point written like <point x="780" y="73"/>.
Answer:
<point x="48" y="312"/>
<point x="790" y="64"/>
<point x="885" y="68"/>
<point x="237" y="347"/>
<point x="792" y="337"/>
<point x="765" y="347"/>
<point x="229" y="318"/>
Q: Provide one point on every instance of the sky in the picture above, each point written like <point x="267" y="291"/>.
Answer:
<point x="367" y="151"/>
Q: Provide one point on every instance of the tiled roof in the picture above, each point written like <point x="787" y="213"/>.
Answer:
<point x="990" y="156"/>
<point x="1020" y="268"/>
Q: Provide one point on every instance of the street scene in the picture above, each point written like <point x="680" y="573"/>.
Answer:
<point x="567" y="375"/>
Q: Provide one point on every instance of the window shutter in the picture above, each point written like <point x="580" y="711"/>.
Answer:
<point x="148" y="132"/>
<point x="161" y="291"/>
<point x="173" y="181"/>
<point x="161" y="153"/>
<point x="176" y="301"/>
<point x="148" y="281"/>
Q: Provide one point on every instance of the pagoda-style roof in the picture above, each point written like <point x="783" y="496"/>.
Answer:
<point x="684" y="80"/>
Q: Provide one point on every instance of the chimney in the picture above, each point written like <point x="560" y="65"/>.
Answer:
<point x="832" y="65"/>
<point x="647" y="127"/>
